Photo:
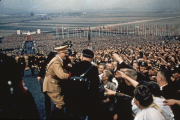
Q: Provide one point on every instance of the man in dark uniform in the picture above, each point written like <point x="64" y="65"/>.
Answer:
<point x="31" y="63"/>
<point x="22" y="64"/>
<point x="79" y="107"/>
<point x="72" y="57"/>
<point x="16" y="101"/>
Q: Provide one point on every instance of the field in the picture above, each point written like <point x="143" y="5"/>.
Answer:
<point x="49" y="22"/>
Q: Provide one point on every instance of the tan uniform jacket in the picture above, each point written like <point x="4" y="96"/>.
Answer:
<point x="54" y="69"/>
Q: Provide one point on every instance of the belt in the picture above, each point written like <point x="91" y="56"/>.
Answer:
<point x="50" y="76"/>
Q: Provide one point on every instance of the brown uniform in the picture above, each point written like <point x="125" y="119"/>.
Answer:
<point x="51" y="85"/>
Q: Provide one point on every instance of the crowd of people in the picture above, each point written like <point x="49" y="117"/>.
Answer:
<point x="139" y="77"/>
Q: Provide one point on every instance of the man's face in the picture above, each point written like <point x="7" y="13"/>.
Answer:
<point x="114" y="64"/>
<point x="63" y="55"/>
<point x="109" y="66"/>
<point x="142" y="68"/>
<point x="104" y="76"/>
<point x="158" y="77"/>
<point x="72" y="58"/>
<point x="176" y="75"/>
<point x="100" y="69"/>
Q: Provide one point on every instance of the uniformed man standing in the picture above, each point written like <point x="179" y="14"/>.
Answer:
<point x="22" y="64"/>
<point x="78" y="106"/>
<point x="54" y="74"/>
<point x="31" y="63"/>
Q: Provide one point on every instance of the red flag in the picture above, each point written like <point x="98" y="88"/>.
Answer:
<point x="166" y="27"/>
<point x="147" y="28"/>
<point x="122" y="29"/>
<point x="157" y="26"/>
<point x="111" y="28"/>
<point x="58" y="29"/>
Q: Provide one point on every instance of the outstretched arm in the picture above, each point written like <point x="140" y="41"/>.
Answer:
<point x="133" y="82"/>
<point x="171" y="102"/>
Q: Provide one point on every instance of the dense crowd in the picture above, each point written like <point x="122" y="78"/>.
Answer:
<point x="144" y="68"/>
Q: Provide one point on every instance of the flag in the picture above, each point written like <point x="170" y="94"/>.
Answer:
<point x="122" y="29"/>
<point x="58" y="29"/>
<point x="147" y="28"/>
<point x="166" y="27"/>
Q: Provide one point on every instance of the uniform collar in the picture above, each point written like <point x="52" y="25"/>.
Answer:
<point x="60" y="58"/>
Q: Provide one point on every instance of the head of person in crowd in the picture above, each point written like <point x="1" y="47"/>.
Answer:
<point x="115" y="65"/>
<point x="109" y="65"/>
<point x="132" y="74"/>
<point x="101" y="68"/>
<point x="87" y="55"/>
<point x="107" y="76"/>
<point x="62" y="52"/>
<point x="72" y="55"/>
<point x="135" y="65"/>
<point x="143" y="66"/>
<point x="21" y="55"/>
<point x="155" y="89"/>
<point x="176" y="73"/>
<point x="106" y="59"/>
<point x="129" y="72"/>
<point x="143" y="97"/>
<point x="170" y="64"/>
<point x="161" y="78"/>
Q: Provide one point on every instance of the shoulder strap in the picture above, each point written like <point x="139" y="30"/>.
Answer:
<point x="86" y="71"/>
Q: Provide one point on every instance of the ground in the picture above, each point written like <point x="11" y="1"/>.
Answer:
<point x="34" y="87"/>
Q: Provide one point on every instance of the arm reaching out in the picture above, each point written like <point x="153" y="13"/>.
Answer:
<point x="171" y="102"/>
<point x="133" y="82"/>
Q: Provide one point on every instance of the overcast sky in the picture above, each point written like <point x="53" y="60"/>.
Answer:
<point x="85" y="5"/>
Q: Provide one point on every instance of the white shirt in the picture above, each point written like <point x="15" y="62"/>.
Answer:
<point x="166" y="110"/>
<point x="149" y="113"/>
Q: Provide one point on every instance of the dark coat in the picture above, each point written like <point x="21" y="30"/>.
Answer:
<point x="21" y="62"/>
<point x="86" y="105"/>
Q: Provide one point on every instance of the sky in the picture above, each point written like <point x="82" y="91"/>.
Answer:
<point x="47" y="6"/>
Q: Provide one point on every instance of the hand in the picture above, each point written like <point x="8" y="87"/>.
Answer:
<point x="116" y="57"/>
<point x="121" y="74"/>
<point x="106" y="100"/>
<point x="169" y="102"/>
<point x="109" y="92"/>
<point x="39" y="79"/>
<point x="118" y="75"/>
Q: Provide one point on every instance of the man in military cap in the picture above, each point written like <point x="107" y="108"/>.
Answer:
<point x="176" y="75"/>
<point x="79" y="106"/>
<point x="54" y="74"/>
<point x="72" y="57"/>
